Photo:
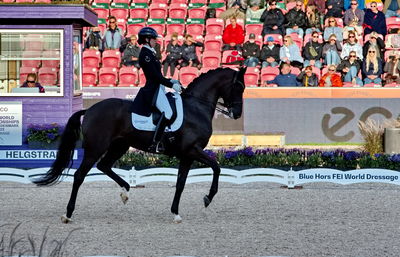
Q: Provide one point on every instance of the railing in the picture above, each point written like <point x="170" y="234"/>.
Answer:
<point x="289" y="178"/>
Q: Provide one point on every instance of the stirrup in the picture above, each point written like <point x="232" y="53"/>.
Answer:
<point x="156" y="147"/>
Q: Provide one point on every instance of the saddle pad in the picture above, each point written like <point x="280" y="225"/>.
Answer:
<point x="146" y="123"/>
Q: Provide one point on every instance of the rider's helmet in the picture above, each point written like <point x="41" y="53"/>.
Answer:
<point x="146" y="32"/>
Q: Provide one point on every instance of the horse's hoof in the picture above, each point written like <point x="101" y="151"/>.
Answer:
<point x="124" y="196"/>
<point x="65" y="219"/>
<point x="177" y="219"/>
<point x="206" y="201"/>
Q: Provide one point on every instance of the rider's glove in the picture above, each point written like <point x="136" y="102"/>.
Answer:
<point x="177" y="87"/>
<point x="174" y="81"/>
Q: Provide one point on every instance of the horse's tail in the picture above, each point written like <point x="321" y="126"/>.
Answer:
<point x="65" y="151"/>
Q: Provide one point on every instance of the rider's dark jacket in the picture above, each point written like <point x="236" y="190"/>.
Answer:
<point x="152" y="70"/>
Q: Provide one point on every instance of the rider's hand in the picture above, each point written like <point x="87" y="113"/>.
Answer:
<point x="177" y="87"/>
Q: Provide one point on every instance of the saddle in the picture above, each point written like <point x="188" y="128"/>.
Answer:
<point x="148" y="123"/>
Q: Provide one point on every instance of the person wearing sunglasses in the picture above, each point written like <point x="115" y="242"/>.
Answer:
<point x="332" y="29"/>
<point x="272" y="19"/>
<point x="372" y="67"/>
<point x="331" y="78"/>
<point x="289" y="53"/>
<point x="352" y="45"/>
<point x="350" y="67"/>
<point x="331" y="51"/>
<point x="392" y="70"/>
<point x="335" y="8"/>
<point x="374" y="20"/>
<point x="312" y="51"/>
<point x="376" y="42"/>
<point x="314" y="20"/>
<point x="296" y="20"/>
<point x="113" y="35"/>
<point x="353" y="14"/>
<point x="31" y="82"/>
<point x="308" y="78"/>
<point x="392" y="8"/>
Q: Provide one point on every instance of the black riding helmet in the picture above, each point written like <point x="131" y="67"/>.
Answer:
<point x="146" y="32"/>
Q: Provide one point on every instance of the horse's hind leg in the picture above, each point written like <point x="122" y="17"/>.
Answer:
<point x="184" y="167"/>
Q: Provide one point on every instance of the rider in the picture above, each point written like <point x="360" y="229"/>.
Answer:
<point x="152" y="95"/>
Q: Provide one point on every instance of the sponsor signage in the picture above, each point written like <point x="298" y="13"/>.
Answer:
<point x="31" y="155"/>
<point x="10" y="123"/>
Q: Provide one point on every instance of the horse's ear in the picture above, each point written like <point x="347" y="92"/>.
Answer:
<point x="242" y="70"/>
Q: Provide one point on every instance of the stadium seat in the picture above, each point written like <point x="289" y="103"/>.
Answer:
<point x="195" y="29"/>
<point x="121" y="1"/>
<point x="348" y="84"/>
<point x="107" y="77"/>
<point x="160" y="28"/>
<point x="100" y="1"/>
<point x="211" y="59"/>
<point x="8" y="1"/>
<point x="298" y="40"/>
<point x="142" y="78"/>
<point x="111" y="58"/>
<point x="128" y="77"/>
<point x="228" y="53"/>
<point x="278" y="39"/>
<point x="205" y="70"/>
<point x="160" y="2"/>
<point x="24" y="71"/>
<point x="158" y="11"/>
<point x="254" y="28"/>
<point x="43" y="1"/>
<point x="197" y="13"/>
<point x="290" y="5"/>
<point x="30" y="63"/>
<point x="268" y="73"/>
<point x="24" y="1"/>
<point x="199" y="2"/>
<point x="89" y="77"/>
<point x="214" y="26"/>
<point x="102" y="13"/>
<point x="177" y="11"/>
<point x="133" y="29"/>
<point x="121" y="23"/>
<point x="141" y="1"/>
<point x="51" y="63"/>
<point x="47" y="76"/>
<point x="317" y="71"/>
<point x="33" y="42"/>
<point x="308" y="37"/>
<point x="294" y="70"/>
<point x="91" y="58"/>
<point x="187" y="75"/>
<point x="392" y="85"/>
<point x="175" y="28"/>
<point x="392" y="22"/>
<point x="213" y="42"/>
<point x="120" y="11"/>
<point x="372" y="85"/>
<point x="139" y="12"/>
<point x="251" y="77"/>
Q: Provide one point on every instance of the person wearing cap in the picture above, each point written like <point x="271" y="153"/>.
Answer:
<point x="233" y="36"/>
<point x="251" y="51"/>
<point x="331" y="51"/>
<point x="270" y="53"/>
<point x="152" y="95"/>
<point x="376" y="42"/>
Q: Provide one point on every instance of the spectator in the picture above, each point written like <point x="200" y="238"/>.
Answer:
<point x="31" y="82"/>
<point x="312" y="51"/>
<point x="376" y="42"/>
<point x="314" y="20"/>
<point x="94" y="39"/>
<point x="113" y="35"/>
<point x="354" y="15"/>
<point x="251" y="51"/>
<point x="157" y="47"/>
<point x="335" y="8"/>
<point x="392" y="8"/>
<point x="352" y="45"/>
<point x="272" y="19"/>
<point x="285" y="79"/>
<point x="394" y="39"/>
<point x="350" y="68"/>
<point x="290" y="53"/>
<point x="174" y="54"/>
<point x="189" y="56"/>
<point x="296" y="20"/>
<point x="374" y="20"/>
<point x="131" y="53"/>
<point x="331" y="51"/>
<point x="352" y="27"/>
<point x="360" y="4"/>
<point x="233" y="36"/>
<point x="372" y="67"/>
<point x="270" y="53"/>
<point x="254" y="12"/>
<point x="392" y="70"/>
<point x="333" y="29"/>
<point x="319" y="4"/>
<point x="331" y="78"/>
<point x="308" y="78"/>
<point x="236" y="8"/>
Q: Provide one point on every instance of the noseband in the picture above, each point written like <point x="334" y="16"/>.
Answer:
<point x="229" y="104"/>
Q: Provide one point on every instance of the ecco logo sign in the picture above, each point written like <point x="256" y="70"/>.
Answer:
<point x="3" y="109"/>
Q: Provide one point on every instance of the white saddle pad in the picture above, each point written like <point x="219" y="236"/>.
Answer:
<point x="146" y="123"/>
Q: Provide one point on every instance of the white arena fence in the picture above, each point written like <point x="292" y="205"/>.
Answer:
<point x="289" y="178"/>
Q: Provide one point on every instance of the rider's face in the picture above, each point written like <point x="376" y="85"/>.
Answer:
<point x="152" y="42"/>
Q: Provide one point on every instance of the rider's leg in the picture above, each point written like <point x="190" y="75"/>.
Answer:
<point x="157" y="145"/>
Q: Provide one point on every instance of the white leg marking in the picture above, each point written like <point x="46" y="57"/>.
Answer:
<point x="124" y="195"/>
<point x="65" y="220"/>
<point x="177" y="219"/>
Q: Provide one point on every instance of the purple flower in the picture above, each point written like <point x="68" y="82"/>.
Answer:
<point x="395" y="158"/>
<point x="231" y="154"/>
<point x="248" y="151"/>
<point x="51" y="136"/>
<point x="351" y="156"/>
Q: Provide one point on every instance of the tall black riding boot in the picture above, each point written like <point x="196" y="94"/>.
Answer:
<point x="157" y="146"/>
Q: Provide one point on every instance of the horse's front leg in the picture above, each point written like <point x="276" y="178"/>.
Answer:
<point x="184" y="167"/>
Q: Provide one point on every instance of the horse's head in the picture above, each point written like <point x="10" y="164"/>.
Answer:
<point x="233" y="94"/>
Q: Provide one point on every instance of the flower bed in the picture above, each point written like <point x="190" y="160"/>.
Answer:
<point x="43" y="136"/>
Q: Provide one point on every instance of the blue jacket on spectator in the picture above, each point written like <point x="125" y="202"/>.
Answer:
<point x="112" y="39"/>
<point x="374" y="22"/>
<point x="288" y="80"/>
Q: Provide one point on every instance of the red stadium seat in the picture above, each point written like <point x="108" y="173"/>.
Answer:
<point x="348" y="84"/>
<point x="160" y="28"/>
<point x="24" y="71"/>
<point x="290" y="5"/>
<point x="211" y="59"/>
<point x="107" y="77"/>
<point x="8" y="1"/>
<point x="101" y="1"/>
<point x="34" y="42"/>
<point x="158" y="11"/>
<point x="254" y="28"/>
<point x="47" y="76"/>
<point x="122" y="25"/>
<point x="213" y="42"/>
<point x="392" y="22"/>
<point x="53" y="55"/>
<point x="214" y="26"/>
<point x="175" y="28"/>
<point x="317" y="71"/>
<point x="372" y="85"/>
<point x="199" y="2"/>
<point x="296" y="71"/>
<point x="120" y="11"/>
<point x="139" y="12"/>
<point x="177" y="11"/>
<point x="102" y="13"/>
<point x="133" y="29"/>
<point x="89" y="77"/>
<point x="128" y="77"/>
<point x="160" y="2"/>
<point x="195" y="29"/>
<point x="278" y="39"/>
<point x="30" y="63"/>
<point x="226" y="57"/>
<point x="142" y="78"/>
<point x="297" y="39"/>
<point x="91" y="58"/>
<point x="111" y="58"/>
<point x="178" y="2"/>
<point x="121" y="1"/>
<point x="187" y="75"/>
<point x="251" y="77"/>
<point x="24" y="1"/>
<point x="392" y="85"/>
<point x="268" y="73"/>
<point x="197" y="13"/>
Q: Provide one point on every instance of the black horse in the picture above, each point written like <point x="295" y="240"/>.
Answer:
<point x="108" y="133"/>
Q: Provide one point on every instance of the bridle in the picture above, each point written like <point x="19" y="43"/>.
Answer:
<point x="230" y="104"/>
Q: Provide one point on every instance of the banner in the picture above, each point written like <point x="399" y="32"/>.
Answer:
<point x="10" y="123"/>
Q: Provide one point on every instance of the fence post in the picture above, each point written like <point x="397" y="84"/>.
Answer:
<point x="290" y="178"/>
<point x="132" y="177"/>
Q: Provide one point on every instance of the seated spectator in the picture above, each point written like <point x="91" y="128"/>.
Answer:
<point x="372" y="67"/>
<point x="251" y="52"/>
<point x="354" y="28"/>
<point x="392" y="8"/>
<point x="131" y="53"/>
<point x="290" y="53"/>
<point x="314" y="20"/>
<point x="352" y="45"/>
<point x="113" y="35"/>
<point x="376" y="42"/>
<point x="285" y="79"/>
<point x="312" y="51"/>
<point x="333" y="29"/>
<point x="233" y="36"/>
<point x="31" y="82"/>
<point x="392" y="70"/>
<point x="319" y="4"/>
<point x="295" y="20"/>
<point x="174" y="54"/>
<point x="272" y="19"/>
<point x="331" y="78"/>
<point x="394" y="39"/>
<point x="308" y="78"/>
<point x="354" y="15"/>
<point x="350" y="67"/>
<point x="360" y="4"/>
<point x="189" y="56"/>
<point x="254" y="12"/>
<point x="235" y="8"/>
<point x="157" y="47"/>
<point x="270" y="53"/>
<point x="374" y="20"/>
<point x="335" y="8"/>
<point x="94" y="40"/>
<point x="331" y="51"/>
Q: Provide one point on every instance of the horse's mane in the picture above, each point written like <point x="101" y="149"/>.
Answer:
<point x="202" y="76"/>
